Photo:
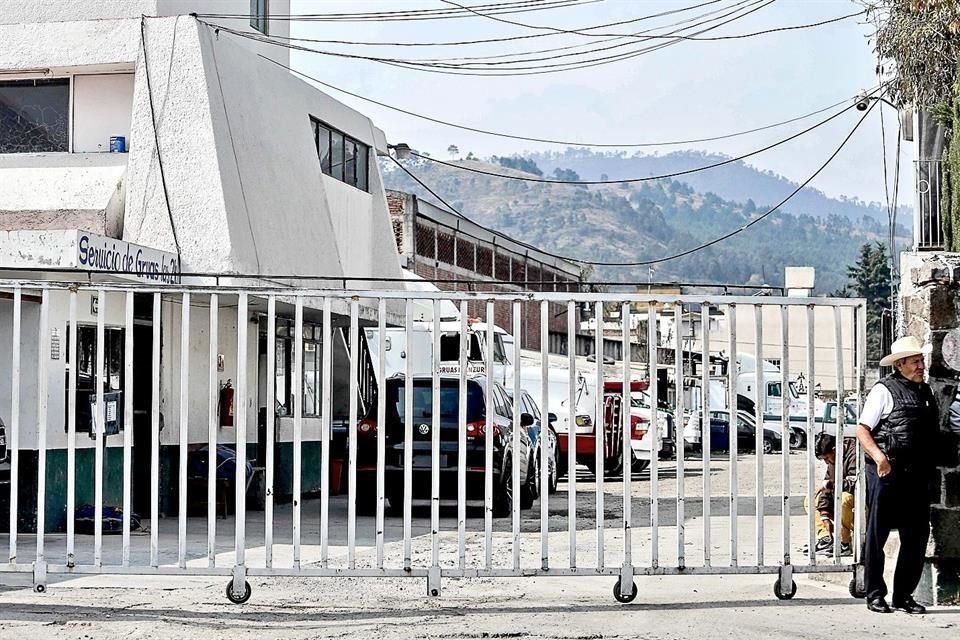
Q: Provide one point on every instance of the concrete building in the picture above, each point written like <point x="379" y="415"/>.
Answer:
<point x="230" y="165"/>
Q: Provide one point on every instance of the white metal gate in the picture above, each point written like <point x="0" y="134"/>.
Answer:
<point x="654" y="522"/>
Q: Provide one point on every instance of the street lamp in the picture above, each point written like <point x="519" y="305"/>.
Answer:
<point x="401" y="149"/>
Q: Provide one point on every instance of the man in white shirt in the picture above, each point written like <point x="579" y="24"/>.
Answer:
<point x="897" y="429"/>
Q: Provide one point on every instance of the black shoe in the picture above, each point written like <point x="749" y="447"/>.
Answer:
<point x="878" y="605"/>
<point x="908" y="604"/>
<point x="846" y="549"/>
<point x="824" y="545"/>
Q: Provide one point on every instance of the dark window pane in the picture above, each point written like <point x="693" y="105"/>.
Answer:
<point x="323" y="146"/>
<point x="34" y="115"/>
<point x="258" y="15"/>
<point x="336" y="153"/>
<point x="350" y="162"/>
<point x="362" y="166"/>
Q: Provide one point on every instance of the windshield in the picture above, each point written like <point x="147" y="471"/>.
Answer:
<point x="423" y="399"/>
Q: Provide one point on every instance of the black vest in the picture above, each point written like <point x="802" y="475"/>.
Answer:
<point x="906" y="435"/>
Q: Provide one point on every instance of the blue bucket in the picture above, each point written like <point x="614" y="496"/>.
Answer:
<point x="118" y="144"/>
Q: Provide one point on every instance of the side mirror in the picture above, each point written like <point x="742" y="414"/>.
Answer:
<point x="526" y="419"/>
<point x="552" y="417"/>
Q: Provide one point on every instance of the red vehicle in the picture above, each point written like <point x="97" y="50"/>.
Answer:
<point x="612" y="438"/>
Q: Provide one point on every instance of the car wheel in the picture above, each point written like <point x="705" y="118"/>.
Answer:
<point x="768" y="445"/>
<point x="531" y="488"/>
<point x="795" y="439"/>
<point x="503" y="495"/>
<point x="639" y="466"/>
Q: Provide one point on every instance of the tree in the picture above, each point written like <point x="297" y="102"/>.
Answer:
<point x="453" y="150"/>
<point x="919" y="39"/>
<point x="869" y="278"/>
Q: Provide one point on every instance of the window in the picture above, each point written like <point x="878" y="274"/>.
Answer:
<point x="113" y="361"/>
<point x="341" y="156"/>
<point x="312" y="367"/>
<point x="34" y="116"/>
<point x="259" y="9"/>
<point x="773" y="389"/>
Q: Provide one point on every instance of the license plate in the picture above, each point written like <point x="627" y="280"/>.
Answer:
<point x="426" y="461"/>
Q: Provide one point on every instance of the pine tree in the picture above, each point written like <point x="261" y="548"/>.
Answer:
<point x="870" y="279"/>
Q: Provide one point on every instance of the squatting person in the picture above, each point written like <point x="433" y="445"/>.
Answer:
<point x="897" y="428"/>
<point x="826" y="450"/>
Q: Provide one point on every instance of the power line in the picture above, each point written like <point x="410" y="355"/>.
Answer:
<point x="663" y="176"/>
<point x="480" y="72"/>
<point x="480" y="63"/>
<point x="681" y="254"/>
<point x="156" y="138"/>
<point x="571" y="143"/>
<point x="456" y="43"/>
<point x="525" y="6"/>
<point x="821" y="23"/>
<point x="694" y="19"/>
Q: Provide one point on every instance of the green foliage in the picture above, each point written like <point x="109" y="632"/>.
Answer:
<point x="869" y="278"/>
<point x="567" y="175"/>
<point x="521" y="164"/>
<point x="950" y="179"/>
<point x="919" y="40"/>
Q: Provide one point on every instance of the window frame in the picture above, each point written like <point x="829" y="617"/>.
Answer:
<point x="66" y="81"/>
<point x="348" y="169"/>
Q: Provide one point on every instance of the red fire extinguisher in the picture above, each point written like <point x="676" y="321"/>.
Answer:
<point x="226" y="405"/>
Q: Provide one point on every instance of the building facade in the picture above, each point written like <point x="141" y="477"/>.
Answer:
<point x="230" y="169"/>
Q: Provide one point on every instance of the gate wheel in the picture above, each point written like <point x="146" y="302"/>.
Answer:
<point x="621" y="597"/>
<point x="859" y="594"/>
<point x="247" y="592"/>
<point x="784" y="595"/>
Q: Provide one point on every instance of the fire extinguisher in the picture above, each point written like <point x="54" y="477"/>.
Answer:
<point x="226" y="405"/>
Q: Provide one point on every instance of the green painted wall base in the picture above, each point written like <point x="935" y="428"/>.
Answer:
<point x="55" y="503"/>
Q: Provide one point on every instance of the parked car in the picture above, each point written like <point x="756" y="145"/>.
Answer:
<point x="502" y="421"/>
<point x="534" y="431"/>
<point x="720" y="433"/>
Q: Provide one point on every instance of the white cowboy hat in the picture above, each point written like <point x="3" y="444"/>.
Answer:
<point x="904" y="348"/>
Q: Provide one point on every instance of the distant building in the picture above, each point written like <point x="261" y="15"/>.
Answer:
<point x="459" y="255"/>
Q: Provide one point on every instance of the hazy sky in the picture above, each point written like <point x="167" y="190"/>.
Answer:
<point x="688" y="90"/>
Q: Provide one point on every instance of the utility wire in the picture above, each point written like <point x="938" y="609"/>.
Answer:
<point x="681" y="254"/>
<point x="571" y="143"/>
<point x="480" y="72"/>
<point x="526" y="6"/>
<point x="583" y="33"/>
<point x="480" y="62"/>
<point x="594" y="48"/>
<point x="156" y="138"/>
<point x="673" y="174"/>
<point x="457" y="43"/>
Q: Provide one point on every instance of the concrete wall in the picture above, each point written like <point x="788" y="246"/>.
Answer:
<point x="102" y="106"/>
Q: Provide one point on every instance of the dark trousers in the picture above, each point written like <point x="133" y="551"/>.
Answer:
<point x="897" y="501"/>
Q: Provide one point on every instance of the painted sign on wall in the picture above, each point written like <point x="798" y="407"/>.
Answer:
<point x="122" y="258"/>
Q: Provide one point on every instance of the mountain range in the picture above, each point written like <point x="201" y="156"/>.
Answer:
<point x="654" y="219"/>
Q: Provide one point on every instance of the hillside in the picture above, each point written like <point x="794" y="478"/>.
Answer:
<point x="736" y="181"/>
<point x="648" y="220"/>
